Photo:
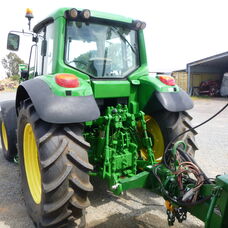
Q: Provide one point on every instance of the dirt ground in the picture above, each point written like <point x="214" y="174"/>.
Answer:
<point x="138" y="208"/>
<point x="7" y="85"/>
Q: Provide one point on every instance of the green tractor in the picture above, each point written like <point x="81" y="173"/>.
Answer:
<point x="87" y="106"/>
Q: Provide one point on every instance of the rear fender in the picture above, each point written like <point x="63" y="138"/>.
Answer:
<point x="154" y="96"/>
<point x="57" y="109"/>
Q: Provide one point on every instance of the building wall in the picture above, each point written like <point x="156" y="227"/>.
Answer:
<point x="181" y="78"/>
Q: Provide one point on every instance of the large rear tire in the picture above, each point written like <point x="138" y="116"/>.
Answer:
<point x="54" y="169"/>
<point x="164" y="126"/>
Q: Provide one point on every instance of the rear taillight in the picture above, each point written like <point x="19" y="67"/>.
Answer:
<point x="67" y="80"/>
<point x="168" y="80"/>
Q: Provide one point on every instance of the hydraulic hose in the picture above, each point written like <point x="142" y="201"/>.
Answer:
<point x="191" y="128"/>
<point x="191" y="159"/>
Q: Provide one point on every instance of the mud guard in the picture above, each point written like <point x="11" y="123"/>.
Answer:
<point x="57" y="109"/>
<point x="170" y="101"/>
<point x="175" y="101"/>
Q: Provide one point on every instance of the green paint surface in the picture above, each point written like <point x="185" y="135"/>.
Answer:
<point x="108" y="89"/>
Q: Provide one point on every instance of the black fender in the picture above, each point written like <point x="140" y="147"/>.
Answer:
<point x="170" y="101"/>
<point x="57" y="109"/>
<point x="175" y="101"/>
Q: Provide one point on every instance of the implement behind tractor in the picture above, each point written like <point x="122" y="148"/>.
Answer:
<point x="87" y="106"/>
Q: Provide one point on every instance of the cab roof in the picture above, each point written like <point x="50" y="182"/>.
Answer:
<point x="94" y="14"/>
<point x="61" y="12"/>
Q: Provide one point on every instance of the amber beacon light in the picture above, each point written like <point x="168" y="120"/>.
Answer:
<point x="29" y="16"/>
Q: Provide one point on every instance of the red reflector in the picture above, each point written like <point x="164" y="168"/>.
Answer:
<point x="168" y="80"/>
<point x="67" y="80"/>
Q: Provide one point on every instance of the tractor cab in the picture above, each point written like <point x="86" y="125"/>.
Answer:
<point x="101" y="50"/>
<point x="88" y="44"/>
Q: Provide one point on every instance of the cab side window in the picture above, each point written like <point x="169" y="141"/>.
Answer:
<point x="39" y="56"/>
<point x="47" y="67"/>
<point x="45" y="50"/>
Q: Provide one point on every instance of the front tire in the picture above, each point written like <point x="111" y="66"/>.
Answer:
<point x="54" y="169"/>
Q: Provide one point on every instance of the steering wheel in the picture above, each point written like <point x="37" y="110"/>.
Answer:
<point x="79" y="61"/>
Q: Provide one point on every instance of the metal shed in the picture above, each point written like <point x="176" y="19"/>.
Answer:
<point x="210" y="68"/>
<point x="181" y="78"/>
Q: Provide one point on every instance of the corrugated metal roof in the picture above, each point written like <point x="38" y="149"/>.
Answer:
<point x="182" y="70"/>
<point x="218" y="59"/>
<point x="217" y="64"/>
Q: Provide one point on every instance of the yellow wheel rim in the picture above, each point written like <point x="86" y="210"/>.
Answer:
<point x="31" y="162"/>
<point x="154" y="131"/>
<point x="4" y="137"/>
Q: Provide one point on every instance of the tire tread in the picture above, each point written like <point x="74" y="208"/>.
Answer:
<point x="63" y="154"/>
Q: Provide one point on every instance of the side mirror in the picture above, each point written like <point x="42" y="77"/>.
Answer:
<point x="13" y="42"/>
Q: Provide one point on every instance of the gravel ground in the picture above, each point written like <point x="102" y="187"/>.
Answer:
<point x="138" y="208"/>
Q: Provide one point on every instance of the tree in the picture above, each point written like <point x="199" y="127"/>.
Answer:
<point x="10" y="63"/>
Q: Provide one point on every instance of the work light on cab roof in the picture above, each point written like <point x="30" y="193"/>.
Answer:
<point x="74" y="13"/>
<point x="86" y="14"/>
<point x="139" y="24"/>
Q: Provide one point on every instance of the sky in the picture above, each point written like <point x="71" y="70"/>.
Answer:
<point x="177" y="32"/>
